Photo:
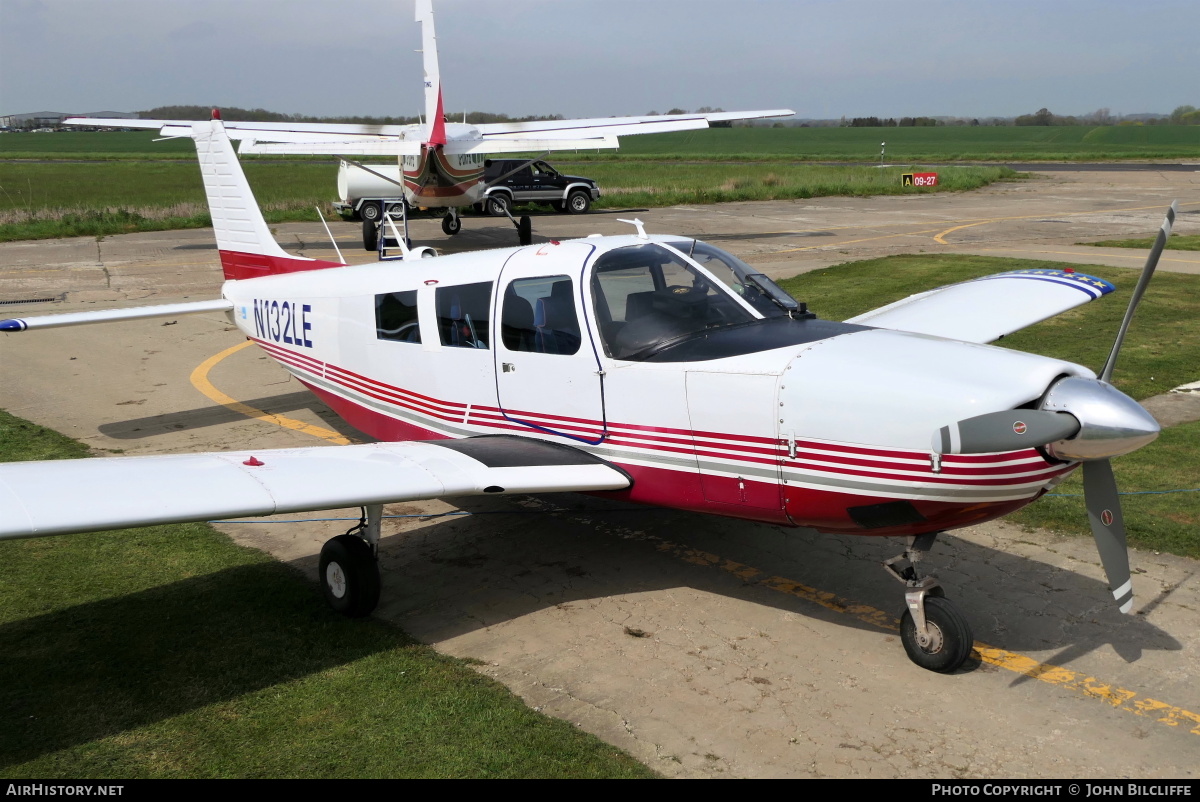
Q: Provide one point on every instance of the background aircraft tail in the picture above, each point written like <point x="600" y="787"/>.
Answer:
<point x="243" y="239"/>
<point x="434" y="111"/>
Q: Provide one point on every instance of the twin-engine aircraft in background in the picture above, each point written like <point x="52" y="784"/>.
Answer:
<point x="441" y="163"/>
<point x="648" y="368"/>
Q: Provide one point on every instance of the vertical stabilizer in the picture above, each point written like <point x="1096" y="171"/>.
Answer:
<point x="434" y="111"/>
<point x="245" y="243"/>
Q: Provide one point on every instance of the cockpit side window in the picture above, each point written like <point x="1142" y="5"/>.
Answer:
<point x="463" y="314"/>
<point x="396" y="317"/>
<point x="732" y="272"/>
<point x="647" y="297"/>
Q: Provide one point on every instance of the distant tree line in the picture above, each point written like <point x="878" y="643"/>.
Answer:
<point x="892" y="122"/>
<point x="235" y="114"/>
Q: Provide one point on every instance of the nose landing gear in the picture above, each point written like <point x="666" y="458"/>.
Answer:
<point x="935" y="634"/>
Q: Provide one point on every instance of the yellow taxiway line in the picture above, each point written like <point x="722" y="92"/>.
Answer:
<point x="1075" y="681"/>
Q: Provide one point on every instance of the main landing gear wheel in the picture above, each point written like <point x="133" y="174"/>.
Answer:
<point x="370" y="235"/>
<point x="451" y="224"/>
<point x="349" y="575"/>
<point x="946" y="643"/>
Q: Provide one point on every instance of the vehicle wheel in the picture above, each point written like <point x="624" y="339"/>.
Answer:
<point x="579" y="202"/>
<point x="451" y="225"/>
<point x="559" y="206"/>
<point x="370" y="235"/>
<point x="950" y="637"/>
<point x="498" y="205"/>
<point x="349" y="576"/>
<point x="396" y="210"/>
<point x="371" y="210"/>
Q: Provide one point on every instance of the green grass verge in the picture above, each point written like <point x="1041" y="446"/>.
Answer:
<point x="57" y="199"/>
<point x="171" y="652"/>
<point x="1177" y="242"/>
<point x="940" y="144"/>
<point x="1161" y="351"/>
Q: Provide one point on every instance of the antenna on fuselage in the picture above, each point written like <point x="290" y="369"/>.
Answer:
<point x="641" y="227"/>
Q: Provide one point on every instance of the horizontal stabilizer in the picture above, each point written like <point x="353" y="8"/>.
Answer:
<point x="111" y="315"/>
<point x="988" y="308"/>
<point x="57" y="497"/>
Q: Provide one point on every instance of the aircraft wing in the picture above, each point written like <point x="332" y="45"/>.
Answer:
<point x="986" y="309"/>
<point x="57" y="497"/>
<point x="267" y="132"/>
<point x="619" y="126"/>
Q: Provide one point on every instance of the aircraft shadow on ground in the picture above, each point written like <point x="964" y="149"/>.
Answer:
<point x="155" y="425"/>
<point x="517" y="555"/>
<point x="100" y="668"/>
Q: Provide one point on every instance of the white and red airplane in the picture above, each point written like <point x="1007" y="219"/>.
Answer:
<point x="649" y="368"/>
<point x="441" y="163"/>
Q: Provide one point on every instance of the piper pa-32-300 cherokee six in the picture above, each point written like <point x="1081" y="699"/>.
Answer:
<point x="441" y="164"/>
<point x="649" y="368"/>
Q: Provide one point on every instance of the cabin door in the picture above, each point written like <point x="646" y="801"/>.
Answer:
<point x="547" y="369"/>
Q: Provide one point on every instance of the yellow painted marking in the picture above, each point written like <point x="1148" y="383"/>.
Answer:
<point x="939" y="237"/>
<point x="1075" y="681"/>
<point x="1120" y="698"/>
<point x="200" y="382"/>
<point x="1138" y="256"/>
<point x="835" y="245"/>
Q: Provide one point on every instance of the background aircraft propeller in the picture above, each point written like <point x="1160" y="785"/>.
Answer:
<point x="1014" y="429"/>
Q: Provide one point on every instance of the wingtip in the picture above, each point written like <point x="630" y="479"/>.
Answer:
<point x="14" y="324"/>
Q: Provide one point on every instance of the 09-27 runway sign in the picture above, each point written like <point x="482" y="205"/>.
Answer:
<point x="919" y="180"/>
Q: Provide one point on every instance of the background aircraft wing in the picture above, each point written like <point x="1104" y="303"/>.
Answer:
<point x="265" y="132"/>
<point x="986" y="309"/>
<point x="619" y="126"/>
<point x="57" y="497"/>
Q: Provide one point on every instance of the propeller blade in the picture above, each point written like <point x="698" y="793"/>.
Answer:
<point x="1160" y="242"/>
<point x="1009" y="430"/>
<point x="1108" y="527"/>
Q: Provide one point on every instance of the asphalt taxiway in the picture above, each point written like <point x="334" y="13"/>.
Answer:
<point x="705" y="647"/>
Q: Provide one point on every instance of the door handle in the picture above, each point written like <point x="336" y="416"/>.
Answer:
<point x="508" y="367"/>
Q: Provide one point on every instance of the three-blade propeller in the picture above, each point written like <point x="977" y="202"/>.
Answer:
<point x="1012" y="430"/>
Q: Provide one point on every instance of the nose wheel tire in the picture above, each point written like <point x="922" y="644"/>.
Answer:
<point x="948" y="641"/>
<point x="349" y="576"/>
<point x="451" y="224"/>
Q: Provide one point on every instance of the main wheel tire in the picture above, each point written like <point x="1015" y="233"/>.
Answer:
<point x="950" y="637"/>
<point x="371" y="210"/>
<point x="349" y="576"/>
<point x="370" y="235"/>
<point x="498" y="205"/>
<point x="451" y="225"/>
<point x="578" y="202"/>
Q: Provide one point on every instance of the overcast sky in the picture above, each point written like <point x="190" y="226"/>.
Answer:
<point x="583" y="58"/>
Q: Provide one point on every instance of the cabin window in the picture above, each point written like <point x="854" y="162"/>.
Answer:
<point x="647" y="297"/>
<point x="539" y="316"/>
<point x="396" y="317"/>
<point x="463" y="313"/>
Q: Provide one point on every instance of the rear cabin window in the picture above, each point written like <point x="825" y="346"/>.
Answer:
<point x="396" y="317"/>
<point x="539" y="316"/>
<point x="462" y="314"/>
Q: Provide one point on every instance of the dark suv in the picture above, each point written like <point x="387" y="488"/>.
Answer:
<point x="535" y="182"/>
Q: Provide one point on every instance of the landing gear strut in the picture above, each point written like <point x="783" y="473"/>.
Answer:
<point x="935" y="634"/>
<point x="349" y="566"/>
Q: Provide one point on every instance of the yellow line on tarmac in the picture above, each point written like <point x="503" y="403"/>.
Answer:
<point x="1075" y="681"/>
<point x="1120" y="698"/>
<point x="938" y="238"/>
<point x="200" y="381"/>
<point x="1054" y="214"/>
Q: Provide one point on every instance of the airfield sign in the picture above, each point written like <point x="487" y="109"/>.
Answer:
<point x="919" y="179"/>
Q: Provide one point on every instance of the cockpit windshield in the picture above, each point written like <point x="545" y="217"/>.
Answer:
<point x="647" y="298"/>
<point x="767" y="297"/>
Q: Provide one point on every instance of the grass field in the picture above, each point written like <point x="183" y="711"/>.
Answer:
<point x="1177" y="242"/>
<point x="938" y="144"/>
<point x="1161" y="351"/>
<point x="62" y="199"/>
<point x="170" y="652"/>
